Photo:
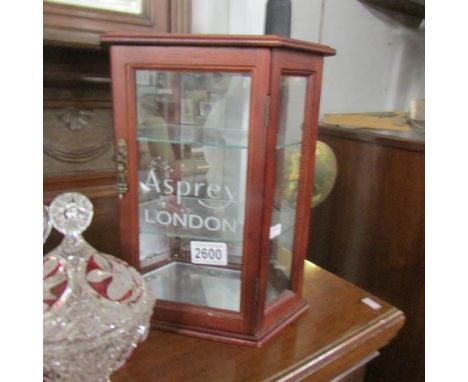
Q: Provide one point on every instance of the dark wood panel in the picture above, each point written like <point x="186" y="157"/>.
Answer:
<point x="370" y="231"/>
<point x="77" y="77"/>
<point x="74" y="69"/>
<point x="408" y="140"/>
<point x="336" y="333"/>
<point x="103" y="233"/>
<point x="81" y="26"/>
<point x="78" y="129"/>
<point x="78" y="80"/>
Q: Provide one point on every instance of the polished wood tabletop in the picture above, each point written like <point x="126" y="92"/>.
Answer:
<point x="337" y="332"/>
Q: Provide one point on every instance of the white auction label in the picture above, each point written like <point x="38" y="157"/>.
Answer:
<point x="207" y="252"/>
<point x="275" y="231"/>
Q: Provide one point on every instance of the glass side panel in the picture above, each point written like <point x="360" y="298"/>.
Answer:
<point x="134" y="7"/>
<point x="193" y="284"/>
<point x="192" y="132"/>
<point x="288" y="158"/>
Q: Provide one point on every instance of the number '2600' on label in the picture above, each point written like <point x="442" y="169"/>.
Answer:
<point x="211" y="253"/>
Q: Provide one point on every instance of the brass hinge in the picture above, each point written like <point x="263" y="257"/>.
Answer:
<point x="266" y="115"/>
<point x="122" y="164"/>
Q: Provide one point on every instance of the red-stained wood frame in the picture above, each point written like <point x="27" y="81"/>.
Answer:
<point x="265" y="58"/>
<point x="125" y="61"/>
<point x="289" y="304"/>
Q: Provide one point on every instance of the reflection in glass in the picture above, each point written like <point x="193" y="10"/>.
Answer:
<point x="192" y="131"/>
<point x="194" y="284"/>
<point x="288" y="158"/>
<point x="133" y="7"/>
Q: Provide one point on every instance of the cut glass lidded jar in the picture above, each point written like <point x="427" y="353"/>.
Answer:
<point x="216" y="138"/>
<point x="96" y="308"/>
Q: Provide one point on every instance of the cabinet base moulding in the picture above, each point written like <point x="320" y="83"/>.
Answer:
<point x="229" y="337"/>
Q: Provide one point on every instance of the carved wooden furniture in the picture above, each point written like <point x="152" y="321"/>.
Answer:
<point x="78" y="136"/>
<point x="79" y="152"/>
<point x="216" y="139"/>
<point x="370" y="231"/>
<point x="334" y="339"/>
<point x="67" y="23"/>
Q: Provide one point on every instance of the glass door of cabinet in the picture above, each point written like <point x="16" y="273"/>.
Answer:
<point x="295" y="84"/>
<point x="288" y="151"/>
<point x="192" y="131"/>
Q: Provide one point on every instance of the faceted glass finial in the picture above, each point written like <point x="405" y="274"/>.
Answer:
<point x="96" y="308"/>
<point x="71" y="213"/>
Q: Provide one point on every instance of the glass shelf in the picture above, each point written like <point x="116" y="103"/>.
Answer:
<point x="281" y="146"/>
<point x="152" y="90"/>
<point x="191" y="134"/>
<point x="189" y="199"/>
<point x="179" y="142"/>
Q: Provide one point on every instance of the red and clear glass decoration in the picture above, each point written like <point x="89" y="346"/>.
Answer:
<point x="96" y="308"/>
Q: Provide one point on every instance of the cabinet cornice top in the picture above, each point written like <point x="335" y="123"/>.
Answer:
<point x="245" y="41"/>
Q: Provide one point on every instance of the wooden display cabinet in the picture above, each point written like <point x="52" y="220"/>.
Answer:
<point x="215" y="139"/>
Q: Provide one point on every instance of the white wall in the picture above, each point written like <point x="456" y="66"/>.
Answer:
<point x="380" y="59"/>
<point x="210" y="16"/>
<point x="228" y="16"/>
<point x="305" y="19"/>
<point x="379" y="63"/>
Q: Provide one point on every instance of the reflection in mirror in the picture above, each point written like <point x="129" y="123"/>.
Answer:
<point x="134" y="7"/>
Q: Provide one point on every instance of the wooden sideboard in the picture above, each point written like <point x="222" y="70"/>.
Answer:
<point x="78" y="139"/>
<point x="82" y="25"/>
<point x="370" y="231"/>
<point x="333" y="340"/>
